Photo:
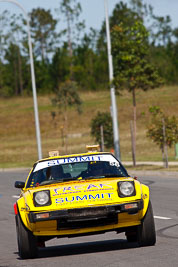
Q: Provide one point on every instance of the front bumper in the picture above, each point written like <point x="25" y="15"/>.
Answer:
<point x="86" y="217"/>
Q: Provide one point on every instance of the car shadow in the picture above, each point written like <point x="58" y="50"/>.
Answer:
<point x="85" y="248"/>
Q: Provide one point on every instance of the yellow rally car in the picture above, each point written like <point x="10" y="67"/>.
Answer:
<point x="74" y="195"/>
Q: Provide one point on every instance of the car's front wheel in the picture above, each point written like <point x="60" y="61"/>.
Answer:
<point x="146" y="234"/>
<point x="27" y="243"/>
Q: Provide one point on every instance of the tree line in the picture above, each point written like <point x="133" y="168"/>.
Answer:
<point x="79" y="55"/>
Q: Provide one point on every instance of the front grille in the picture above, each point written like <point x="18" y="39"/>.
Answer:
<point x="88" y="217"/>
<point x="88" y="221"/>
<point x="88" y="212"/>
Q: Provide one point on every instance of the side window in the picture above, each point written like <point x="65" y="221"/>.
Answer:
<point x="36" y="178"/>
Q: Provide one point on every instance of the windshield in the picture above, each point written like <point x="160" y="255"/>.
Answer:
<point x="91" y="167"/>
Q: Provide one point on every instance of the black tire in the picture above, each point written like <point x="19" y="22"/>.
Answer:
<point x="146" y="231"/>
<point x="27" y="243"/>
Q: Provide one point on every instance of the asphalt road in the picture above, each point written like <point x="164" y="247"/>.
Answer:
<point x="100" y="250"/>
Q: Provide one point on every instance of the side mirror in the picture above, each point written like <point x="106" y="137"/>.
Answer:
<point x="19" y="184"/>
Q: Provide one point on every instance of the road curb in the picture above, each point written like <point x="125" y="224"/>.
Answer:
<point x="14" y="169"/>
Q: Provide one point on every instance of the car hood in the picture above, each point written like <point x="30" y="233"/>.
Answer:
<point x="83" y="193"/>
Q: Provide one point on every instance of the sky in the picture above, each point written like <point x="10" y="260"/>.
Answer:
<point x="93" y="10"/>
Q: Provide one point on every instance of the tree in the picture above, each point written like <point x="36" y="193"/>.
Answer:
<point x="11" y="42"/>
<point x="13" y="77"/>
<point x="66" y="96"/>
<point x="163" y="32"/>
<point x="71" y="9"/>
<point x="43" y="27"/>
<point x="15" y="37"/>
<point x="159" y="27"/>
<point x="3" y="38"/>
<point x="102" y="119"/>
<point x="132" y="69"/>
<point x="87" y="64"/>
<point x="60" y="67"/>
<point x="162" y="130"/>
<point x="121" y="14"/>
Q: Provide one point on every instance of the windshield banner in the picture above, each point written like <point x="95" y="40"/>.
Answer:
<point x="78" y="159"/>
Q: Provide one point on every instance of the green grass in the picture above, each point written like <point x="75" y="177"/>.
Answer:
<point x="17" y="128"/>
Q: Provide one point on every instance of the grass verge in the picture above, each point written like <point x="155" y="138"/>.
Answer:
<point x="17" y="127"/>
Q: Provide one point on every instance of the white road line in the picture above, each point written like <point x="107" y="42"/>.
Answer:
<point x="162" y="218"/>
<point x="15" y="196"/>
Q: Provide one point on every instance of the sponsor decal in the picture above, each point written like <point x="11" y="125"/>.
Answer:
<point x="90" y="197"/>
<point x="82" y="159"/>
<point x="78" y="188"/>
<point x="27" y="207"/>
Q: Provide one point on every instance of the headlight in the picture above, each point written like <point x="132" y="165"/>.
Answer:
<point x="42" y="198"/>
<point x="126" y="189"/>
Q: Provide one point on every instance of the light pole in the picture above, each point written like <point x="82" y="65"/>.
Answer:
<point x="112" y="89"/>
<point x="37" y="125"/>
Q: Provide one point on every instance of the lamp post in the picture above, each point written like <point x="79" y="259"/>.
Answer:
<point x="37" y="125"/>
<point x="112" y="89"/>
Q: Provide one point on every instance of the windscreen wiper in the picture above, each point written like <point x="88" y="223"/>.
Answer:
<point x="93" y="177"/>
<point x="113" y="175"/>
